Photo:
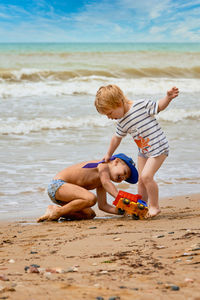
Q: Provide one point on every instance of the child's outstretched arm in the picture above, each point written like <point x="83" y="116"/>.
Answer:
<point x="105" y="179"/>
<point x="102" y="202"/>
<point x="114" y="143"/>
<point x="164" y="102"/>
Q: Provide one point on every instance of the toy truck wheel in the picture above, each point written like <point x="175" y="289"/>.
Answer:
<point x="140" y="206"/>
<point x="135" y="217"/>
<point x="121" y="211"/>
<point x="126" y="201"/>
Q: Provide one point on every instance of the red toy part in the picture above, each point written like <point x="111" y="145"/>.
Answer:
<point x="129" y="196"/>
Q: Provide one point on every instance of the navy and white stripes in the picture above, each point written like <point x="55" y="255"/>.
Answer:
<point x="142" y="125"/>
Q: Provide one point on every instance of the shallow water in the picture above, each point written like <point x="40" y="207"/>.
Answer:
<point x="50" y="122"/>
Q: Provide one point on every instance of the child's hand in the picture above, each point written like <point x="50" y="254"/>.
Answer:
<point x="164" y="102"/>
<point x="173" y="93"/>
<point x="106" y="158"/>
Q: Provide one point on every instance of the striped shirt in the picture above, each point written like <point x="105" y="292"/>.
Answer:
<point x="141" y="124"/>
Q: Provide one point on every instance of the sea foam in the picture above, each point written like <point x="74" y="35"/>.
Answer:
<point x="17" y="126"/>
<point x="88" y="85"/>
<point x="40" y="124"/>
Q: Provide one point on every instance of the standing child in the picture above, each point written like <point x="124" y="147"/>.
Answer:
<point x="138" y="119"/>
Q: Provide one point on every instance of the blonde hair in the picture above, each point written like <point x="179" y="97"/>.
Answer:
<point x="109" y="97"/>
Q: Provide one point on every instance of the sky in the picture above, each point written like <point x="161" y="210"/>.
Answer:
<point x="100" y="21"/>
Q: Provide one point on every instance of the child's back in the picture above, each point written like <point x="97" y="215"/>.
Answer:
<point x="84" y="177"/>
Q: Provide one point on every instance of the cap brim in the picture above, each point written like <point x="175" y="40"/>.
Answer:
<point x="134" y="174"/>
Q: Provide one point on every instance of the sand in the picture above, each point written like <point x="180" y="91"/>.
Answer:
<point x="108" y="257"/>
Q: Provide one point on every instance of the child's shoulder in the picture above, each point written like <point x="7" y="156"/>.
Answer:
<point x="133" y="104"/>
<point x="139" y="101"/>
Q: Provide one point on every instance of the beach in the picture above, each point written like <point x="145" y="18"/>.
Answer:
<point x="48" y="122"/>
<point x="105" y="258"/>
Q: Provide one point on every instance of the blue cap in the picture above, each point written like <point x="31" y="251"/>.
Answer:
<point x="130" y="163"/>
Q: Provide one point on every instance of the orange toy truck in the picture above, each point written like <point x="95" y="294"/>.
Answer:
<point x="131" y="204"/>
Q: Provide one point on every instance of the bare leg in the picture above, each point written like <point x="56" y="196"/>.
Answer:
<point x="141" y="187"/>
<point x="74" y="199"/>
<point x="147" y="176"/>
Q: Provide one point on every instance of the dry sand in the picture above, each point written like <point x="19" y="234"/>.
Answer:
<point x="105" y="257"/>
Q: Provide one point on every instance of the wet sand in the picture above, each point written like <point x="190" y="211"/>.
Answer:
<point x="107" y="257"/>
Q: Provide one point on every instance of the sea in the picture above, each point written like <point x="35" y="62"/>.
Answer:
<point x="48" y="120"/>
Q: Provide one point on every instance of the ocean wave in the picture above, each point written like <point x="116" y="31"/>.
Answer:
<point x="24" y="127"/>
<point x="176" y="115"/>
<point x="36" y="75"/>
<point x="88" y="85"/>
<point x="20" y="127"/>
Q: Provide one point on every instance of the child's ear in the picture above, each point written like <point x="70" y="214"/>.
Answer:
<point x="116" y="161"/>
<point x="121" y="103"/>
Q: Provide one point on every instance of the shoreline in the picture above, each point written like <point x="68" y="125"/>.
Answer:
<point x="105" y="257"/>
<point x="32" y="216"/>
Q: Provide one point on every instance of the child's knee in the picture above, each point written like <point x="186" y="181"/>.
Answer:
<point x="92" y="200"/>
<point x="140" y="182"/>
<point x="145" y="178"/>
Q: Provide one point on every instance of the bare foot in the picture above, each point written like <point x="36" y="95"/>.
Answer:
<point x="153" y="211"/>
<point x="51" y="214"/>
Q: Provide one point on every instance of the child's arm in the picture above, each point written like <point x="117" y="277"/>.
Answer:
<point x="102" y="202"/>
<point x="106" y="182"/>
<point x="164" y="102"/>
<point x="114" y="143"/>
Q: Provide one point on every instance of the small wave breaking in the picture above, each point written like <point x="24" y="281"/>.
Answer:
<point x="27" y="126"/>
<point x="88" y="85"/>
<point x="24" y="127"/>
<point x="177" y="115"/>
<point x="36" y="75"/>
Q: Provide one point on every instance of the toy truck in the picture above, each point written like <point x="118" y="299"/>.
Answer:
<point x="131" y="204"/>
